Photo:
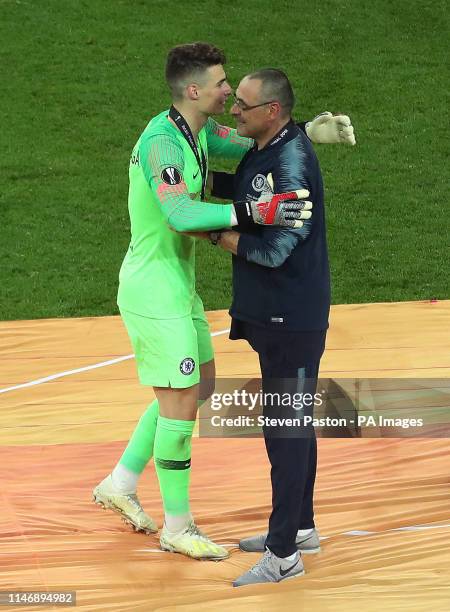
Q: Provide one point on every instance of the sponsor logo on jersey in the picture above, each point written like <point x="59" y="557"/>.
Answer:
<point x="259" y="182"/>
<point x="280" y="136"/>
<point x="171" y="176"/>
<point x="187" y="366"/>
<point x="135" y="158"/>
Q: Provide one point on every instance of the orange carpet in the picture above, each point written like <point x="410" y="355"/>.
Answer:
<point x="60" y="436"/>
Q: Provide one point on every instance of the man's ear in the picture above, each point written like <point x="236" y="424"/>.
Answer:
<point x="275" y="110"/>
<point x="192" y="91"/>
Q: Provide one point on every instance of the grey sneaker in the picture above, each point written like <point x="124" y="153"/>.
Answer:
<point x="305" y="544"/>
<point x="271" y="568"/>
<point x="128" y="506"/>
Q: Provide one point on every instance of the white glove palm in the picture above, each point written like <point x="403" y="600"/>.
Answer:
<point x="327" y="128"/>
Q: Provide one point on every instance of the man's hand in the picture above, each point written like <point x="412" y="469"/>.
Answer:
<point x="327" y="128"/>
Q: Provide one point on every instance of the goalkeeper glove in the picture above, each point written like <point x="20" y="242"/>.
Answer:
<point x="280" y="209"/>
<point x="327" y="128"/>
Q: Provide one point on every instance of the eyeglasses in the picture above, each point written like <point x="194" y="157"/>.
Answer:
<point x="245" y="107"/>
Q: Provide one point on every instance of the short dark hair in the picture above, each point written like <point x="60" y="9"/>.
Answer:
<point x="275" y="85"/>
<point x="187" y="61"/>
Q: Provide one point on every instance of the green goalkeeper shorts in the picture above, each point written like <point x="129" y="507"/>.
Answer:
<point x="169" y="352"/>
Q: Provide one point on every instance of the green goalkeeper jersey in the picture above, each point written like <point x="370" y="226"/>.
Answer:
<point x="157" y="277"/>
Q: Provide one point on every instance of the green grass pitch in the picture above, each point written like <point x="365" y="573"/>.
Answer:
<point x="81" y="79"/>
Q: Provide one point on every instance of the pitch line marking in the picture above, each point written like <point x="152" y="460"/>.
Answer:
<point x="102" y="364"/>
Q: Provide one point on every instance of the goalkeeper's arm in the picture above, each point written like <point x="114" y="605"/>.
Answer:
<point x="163" y="166"/>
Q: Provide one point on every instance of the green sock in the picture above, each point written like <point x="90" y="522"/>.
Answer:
<point x="139" y="450"/>
<point x="173" y="463"/>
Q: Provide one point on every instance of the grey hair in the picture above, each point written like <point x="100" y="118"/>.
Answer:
<point x="275" y="86"/>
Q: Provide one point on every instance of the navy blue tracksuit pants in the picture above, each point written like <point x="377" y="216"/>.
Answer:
<point x="289" y="367"/>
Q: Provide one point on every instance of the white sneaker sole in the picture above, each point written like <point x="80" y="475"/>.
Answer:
<point x="299" y="575"/>
<point x="309" y="551"/>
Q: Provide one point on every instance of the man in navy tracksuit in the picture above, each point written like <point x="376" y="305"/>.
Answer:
<point x="281" y="301"/>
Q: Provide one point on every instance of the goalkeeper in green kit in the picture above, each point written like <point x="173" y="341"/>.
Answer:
<point x="158" y="303"/>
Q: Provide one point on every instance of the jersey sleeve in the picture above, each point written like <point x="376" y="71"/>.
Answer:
<point x="273" y="246"/>
<point x="162" y="163"/>
<point x="225" y="142"/>
<point x="290" y="170"/>
<point x="223" y="185"/>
